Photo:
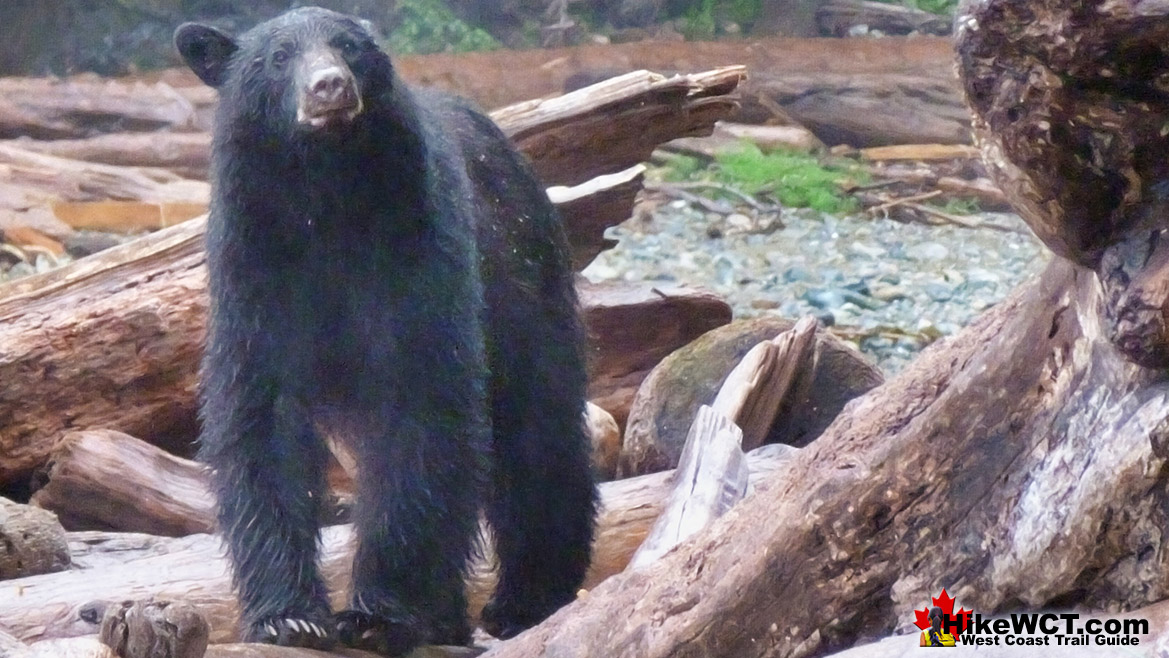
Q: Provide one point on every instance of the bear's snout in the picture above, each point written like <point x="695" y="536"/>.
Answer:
<point x="329" y="91"/>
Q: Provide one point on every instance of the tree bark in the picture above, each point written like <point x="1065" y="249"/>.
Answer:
<point x="194" y="570"/>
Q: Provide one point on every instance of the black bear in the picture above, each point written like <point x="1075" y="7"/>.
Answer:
<point x="384" y="266"/>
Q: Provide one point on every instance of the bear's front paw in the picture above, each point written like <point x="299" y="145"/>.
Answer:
<point x="505" y="622"/>
<point x="293" y="630"/>
<point x="379" y="634"/>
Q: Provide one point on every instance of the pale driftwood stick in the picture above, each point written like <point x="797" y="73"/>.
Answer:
<point x="711" y="477"/>
<point x="753" y="392"/>
<point x="102" y="479"/>
<point x="71" y="604"/>
<point x="32" y="541"/>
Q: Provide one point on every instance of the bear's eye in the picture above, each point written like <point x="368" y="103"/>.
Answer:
<point x="349" y="48"/>
<point x="280" y="57"/>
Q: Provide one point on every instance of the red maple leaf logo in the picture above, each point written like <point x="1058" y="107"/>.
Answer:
<point x="946" y="603"/>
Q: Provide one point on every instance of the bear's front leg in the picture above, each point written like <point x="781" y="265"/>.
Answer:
<point x="268" y="476"/>
<point x="416" y="521"/>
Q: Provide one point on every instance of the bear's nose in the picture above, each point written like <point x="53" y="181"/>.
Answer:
<point x="328" y="84"/>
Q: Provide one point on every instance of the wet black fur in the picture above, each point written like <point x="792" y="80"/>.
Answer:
<point x="404" y="281"/>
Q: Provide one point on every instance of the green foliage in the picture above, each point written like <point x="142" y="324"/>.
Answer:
<point x="743" y="12"/>
<point x="797" y="179"/>
<point x="699" y="21"/>
<point x="428" y="26"/>
<point x="702" y="17"/>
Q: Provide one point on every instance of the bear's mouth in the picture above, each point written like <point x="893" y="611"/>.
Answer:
<point x="328" y="117"/>
<point x="321" y="115"/>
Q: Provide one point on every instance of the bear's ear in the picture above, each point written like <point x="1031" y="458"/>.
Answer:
<point x="206" y="50"/>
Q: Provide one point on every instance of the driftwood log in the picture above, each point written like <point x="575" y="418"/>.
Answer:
<point x="803" y="79"/>
<point x="106" y="480"/>
<point x="119" y="567"/>
<point x="113" y="341"/>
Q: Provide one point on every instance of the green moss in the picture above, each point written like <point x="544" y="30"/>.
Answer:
<point x="428" y="26"/>
<point x="797" y="180"/>
<point x="961" y="206"/>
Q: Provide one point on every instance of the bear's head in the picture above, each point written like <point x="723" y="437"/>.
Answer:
<point x="308" y="70"/>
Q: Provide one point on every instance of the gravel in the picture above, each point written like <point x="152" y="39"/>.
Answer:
<point x="889" y="287"/>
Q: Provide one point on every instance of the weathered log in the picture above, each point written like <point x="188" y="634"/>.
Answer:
<point x="106" y="480"/>
<point x="193" y="569"/>
<point x="632" y="327"/>
<point x="868" y="110"/>
<point x="109" y="341"/>
<point x="31" y="541"/>
<point x="624" y="118"/>
<point x="86" y="105"/>
<point x="980" y="468"/>
<point x="185" y="153"/>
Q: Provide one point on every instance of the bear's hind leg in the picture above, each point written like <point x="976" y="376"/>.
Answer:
<point x="542" y="506"/>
